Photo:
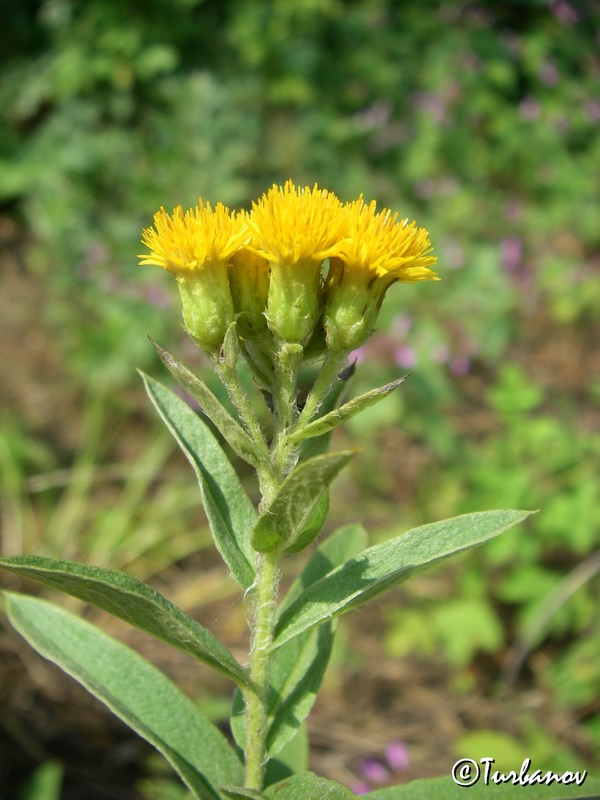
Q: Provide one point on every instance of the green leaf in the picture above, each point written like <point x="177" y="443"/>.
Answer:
<point x="329" y="421"/>
<point x="384" y="565"/>
<point x="134" y="690"/>
<point x="344" y="543"/>
<point x="445" y="789"/>
<point x="228" y="427"/>
<point x="228" y="509"/>
<point x="308" y="786"/>
<point x="135" y="602"/>
<point x="291" y="759"/>
<point x="288" y="514"/>
<point x="315" y="522"/>
<point x="241" y="793"/>
<point x="295" y="677"/>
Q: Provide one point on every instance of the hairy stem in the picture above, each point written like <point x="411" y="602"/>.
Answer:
<point x="239" y="397"/>
<point x="332" y="365"/>
<point x="267" y="582"/>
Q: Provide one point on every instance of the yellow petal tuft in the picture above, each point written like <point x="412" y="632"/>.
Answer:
<point x="380" y="244"/>
<point x="294" y="225"/>
<point x="183" y="242"/>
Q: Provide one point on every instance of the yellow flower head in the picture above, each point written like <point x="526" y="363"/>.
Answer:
<point x="184" y="242"/>
<point x="296" y="225"/>
<point x="384" y="246"/>
<point x="294" y="229"/>
<point x="376" y="250"/>
<point x="196" y="246"/>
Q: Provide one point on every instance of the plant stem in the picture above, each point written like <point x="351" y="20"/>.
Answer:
<point x="287" y="366"/>
<point x="267" y="582"/>
<point x="239" y="397"/>
<point x="332" y="365"/>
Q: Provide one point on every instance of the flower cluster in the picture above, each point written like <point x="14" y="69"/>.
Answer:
<point x="300" y="268"/>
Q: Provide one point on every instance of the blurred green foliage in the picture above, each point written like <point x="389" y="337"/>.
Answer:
<point x="478" y="118"/>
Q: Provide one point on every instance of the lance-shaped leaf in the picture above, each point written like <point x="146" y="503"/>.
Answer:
<point x="133" y="601"/>
<point x="344" y="543"/>
<point x="315" y="522"/>
<point x="134" y="690"/>
<point x="228" y="509"/>
<point x="308" y="786"/>
<point x="287" y="516"/>
<point x="384" y="565"/>
<point x="446" y="789"/>
<point x="228" y="427"/>
<point x="329" y="421"/>
<point x="297" y="668"/>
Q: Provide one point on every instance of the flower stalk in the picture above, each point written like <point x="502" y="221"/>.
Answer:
<point x="265" y="603"/>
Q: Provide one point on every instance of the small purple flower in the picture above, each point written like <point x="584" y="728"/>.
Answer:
<point x="440" y="353"/>
<point x="460" y="366"/>
<point x="396" y="754"/>
<point x="513" y="210"/>
<point x="374" y="771"/>
<point x="549" y="74"/>
<point x="592" y="109"/>
<point x="511" y="253"/>
<point x="359" y="355"/>
<point x="430" y="104"/>
<point x="375" y="117"/>
<point x="401" y="324"/>
<point x="361" y="788"/>
<point x="405" y="356"/>
<point x="564" y="12"/>
<point x="157" y="296"/>
<point x="529" y="109"/>
<point x="454" y="255"/>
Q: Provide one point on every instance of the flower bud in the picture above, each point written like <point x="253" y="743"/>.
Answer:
<point x="249" y="284"/>
<point x="206" y="306"/>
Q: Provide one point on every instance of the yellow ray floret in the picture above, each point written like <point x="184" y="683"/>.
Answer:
<point x="183" y="242"/>
<point x="384" y="246"/>
<point x="295" y="225"/>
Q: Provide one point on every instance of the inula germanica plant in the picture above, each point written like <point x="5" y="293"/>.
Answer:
<point x="299" y="279"/>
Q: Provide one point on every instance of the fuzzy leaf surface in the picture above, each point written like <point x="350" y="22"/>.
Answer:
<point x="228" y="509"/>
<point x="385" y="565"/>
<point x="133" y="601"/>
<point x="344" y="543"/>
<point x="328" y="422"/>
<point x="288" y="514"/>
<point x="134" y="690"/>
<point x="445" y="789"/>
<point x="228" y="426"/>
<point x="308" y="786"/>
